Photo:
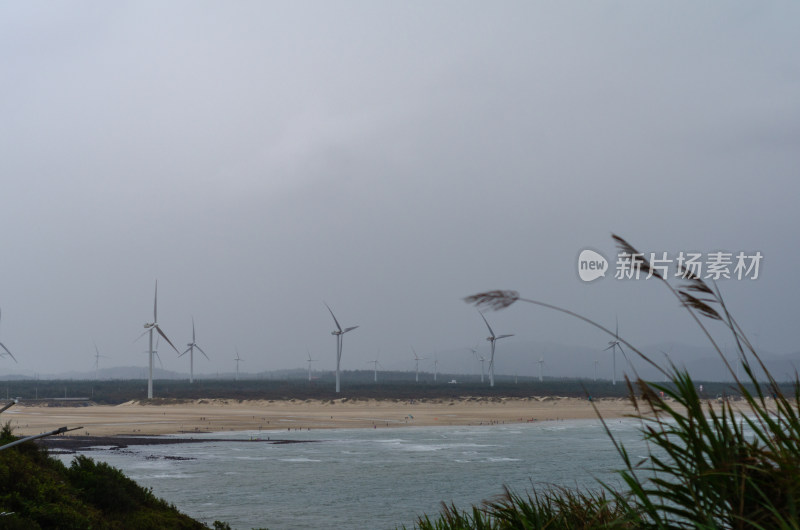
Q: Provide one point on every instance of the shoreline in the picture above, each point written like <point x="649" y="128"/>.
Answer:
<point x="221" y="415"/>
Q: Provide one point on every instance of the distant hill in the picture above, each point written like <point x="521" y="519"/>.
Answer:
<point x="520" y="358"/>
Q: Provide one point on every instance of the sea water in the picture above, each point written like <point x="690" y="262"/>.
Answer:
<point x="370" y="478"/>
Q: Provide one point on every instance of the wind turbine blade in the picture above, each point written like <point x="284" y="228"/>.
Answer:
<point x="334" y="317"/>
<point x="606" y="349"/>
<point x="167" y="339"/>
<point x="201" y="351"/>
<point x="504" y="336"/>
<point x="155" y="305"/>
<point x="491" y="332"/>
<point x="159" y="360"/>
<point x="616" y="330"/>
<point x="349" y="329"/>
<point x="192" y="329"/>
<point x="487" y="324"/>
<point x="415" y="353"/>
<point x="185" y="351"/>
<point x="145" y="332"/>
<point x="8" y="352"/>
<point x="618" y="345"/>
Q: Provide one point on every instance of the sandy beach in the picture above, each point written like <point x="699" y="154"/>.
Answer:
<point x="221" y="415"/>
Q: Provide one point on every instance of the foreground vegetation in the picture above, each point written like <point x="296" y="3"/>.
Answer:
<point x="37" y="491"/>
<point x="724" y="467"/>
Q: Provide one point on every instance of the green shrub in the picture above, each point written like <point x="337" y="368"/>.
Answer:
<point x="40" y="492"/>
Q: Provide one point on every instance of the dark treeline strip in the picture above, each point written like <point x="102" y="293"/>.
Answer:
<point x="355" y="385"/>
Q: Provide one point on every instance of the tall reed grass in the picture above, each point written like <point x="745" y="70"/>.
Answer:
<point x="730" y="465"/>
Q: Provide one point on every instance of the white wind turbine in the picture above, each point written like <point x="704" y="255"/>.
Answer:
<point x="149" y="327"/>
<point x="338" y="333"/>
<point x="613" y="345"/>
<point x="237" y="359"/>
<point x="376" y="363"/>
<point x="417" y="359"/>
<point x="155" y="353"/>
<point x="190" y="350"/>
<point x="97" y="357"/>
<point x="480" y="358"/>
<point x="492" y="339"/>
<point x="6" y="352"/>
<point x="541" y="363"/>
<point x="310" y="360"/>
<point x="435" y="366"/>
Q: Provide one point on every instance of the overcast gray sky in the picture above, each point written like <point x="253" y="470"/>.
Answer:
<point x="389" y="158"/>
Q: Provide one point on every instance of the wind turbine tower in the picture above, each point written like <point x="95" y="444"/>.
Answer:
<point x="149" y="328"/>
<point x="417" y="359"/>
<point x="237" y="359"/>
<point x="97" y="361"/>
<point x="338" y="333"/>
<point x="310" y="360"/>
<point x="613" y="345"/>
<point x="376" y="364"/>
<point x="480" y="358"/>
<point x="541" y="363"/>
<point x="190" y="350"/>
<point x="492" y="338"/>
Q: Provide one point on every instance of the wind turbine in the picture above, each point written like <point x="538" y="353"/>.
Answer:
<point x="613" y="345"/>
<point x="237" y="359"/>
<point x="310" y="360"/>
<point x="155" y="353"/>
<point x="541" y="363"/>
<point x="97" y="361"/>
<point x="149" y="327"/>
<point x="595" y="369"/>
<point x="480" y="358"/>
<point x="376" y="364"/>
<point x="190" y="350"/>
<point x="492" y="339"/>
<point x="435" y="366"/>
<point x="417" y="359"/>
<point x="6" y="352"/>
<point x="338" y="333"/>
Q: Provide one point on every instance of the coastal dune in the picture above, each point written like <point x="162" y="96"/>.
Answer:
<point x="219" y="415"/>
